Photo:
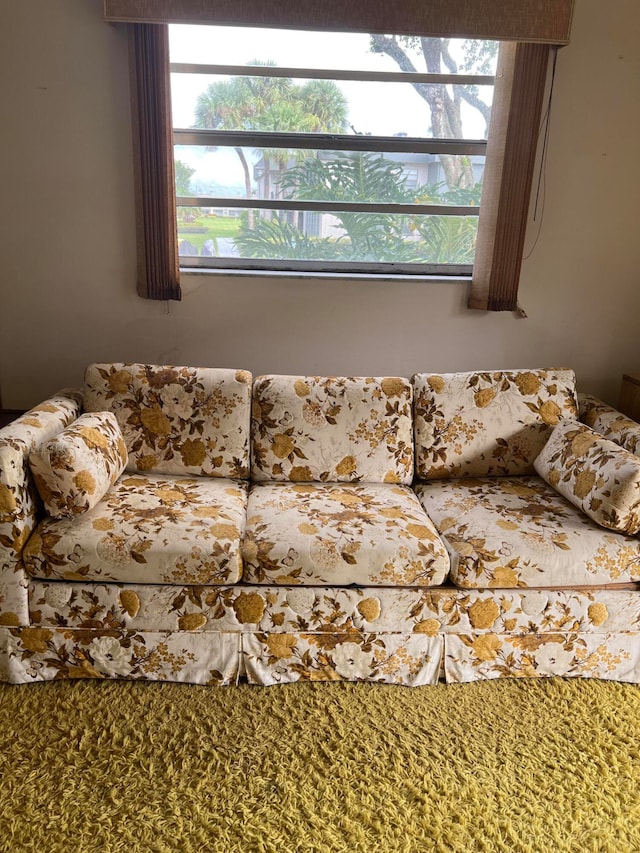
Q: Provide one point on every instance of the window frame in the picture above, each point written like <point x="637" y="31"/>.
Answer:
<point x="494" y="283"/>
<point x="328" y="142"/>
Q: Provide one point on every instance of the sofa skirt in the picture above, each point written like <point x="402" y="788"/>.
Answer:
<point x="46" y="654"/>
<point x="272" y="635"/>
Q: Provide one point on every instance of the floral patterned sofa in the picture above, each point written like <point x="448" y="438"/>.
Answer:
<point x="191" y="524"/>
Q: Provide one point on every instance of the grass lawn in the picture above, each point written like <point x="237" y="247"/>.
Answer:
<point x="215" y="226"/>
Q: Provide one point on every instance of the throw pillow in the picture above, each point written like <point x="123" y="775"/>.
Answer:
<point x="595" y="474"/>
<point x="74" y="469"/>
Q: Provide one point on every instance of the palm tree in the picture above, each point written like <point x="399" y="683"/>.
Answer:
<point x="286" y="117"/>
<point x="271" y="104"/>
<point x="228" y="105"/>
<point x="326" y="105"/>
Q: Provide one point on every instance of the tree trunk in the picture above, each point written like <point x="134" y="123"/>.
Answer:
<point x="446" y="122"/>
<point x="266" y="214"/>
<point x="247" y="183"/>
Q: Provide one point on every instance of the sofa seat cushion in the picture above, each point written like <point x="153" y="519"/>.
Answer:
<point x="519" y="532"/>
<point x="317" y="534"/>
<point x="487" y="424"/>
<point x="148" y="529"/>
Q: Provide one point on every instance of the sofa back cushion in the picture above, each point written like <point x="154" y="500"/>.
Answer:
<point x="487" y="424"/>
<point x="332" y="429"/>
<point x="176" y="420"/>
<point x="74" y="469"/>
<point x="595" y="474"/>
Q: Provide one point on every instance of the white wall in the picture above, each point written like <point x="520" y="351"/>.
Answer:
<point x="68" y="254"/>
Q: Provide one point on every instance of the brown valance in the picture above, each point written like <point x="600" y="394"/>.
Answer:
<point x="546" y="21"/>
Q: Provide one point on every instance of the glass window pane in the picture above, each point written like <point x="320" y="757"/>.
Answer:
<point x="403" y="178"/>
<point x="326" y="106"/>
<point x="307" y="49"/>
<point x="339" y="236"/>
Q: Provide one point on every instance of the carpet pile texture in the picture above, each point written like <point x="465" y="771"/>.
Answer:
<point x="535" y="766"/>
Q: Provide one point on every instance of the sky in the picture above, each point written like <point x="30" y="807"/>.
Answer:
<point x="383" y="109"/>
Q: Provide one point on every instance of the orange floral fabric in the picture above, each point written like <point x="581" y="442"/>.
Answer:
<point x="564" y="653"/>
<point x="509" y="532"/>
<point x="19" y="500"/>
<point x="610" y="423"/>
<point x="75" y="469"/>
<point x="278" y="658"/>
<point x="148" y="529"/>
<point x="595" y="474"/>
<point x="332" y="429"/>
<point x="177" y="420"/>
<point x="487" y="424"/>
<point x="43" y="654"/>
<point x="334" y="610"/>
<point x="316" y="533"/>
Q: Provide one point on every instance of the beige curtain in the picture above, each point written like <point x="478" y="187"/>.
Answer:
<point x="508" y="175"/>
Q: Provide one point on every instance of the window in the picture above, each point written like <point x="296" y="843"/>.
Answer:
<point x="338" y="152"/>
<point x="528" y="32"/>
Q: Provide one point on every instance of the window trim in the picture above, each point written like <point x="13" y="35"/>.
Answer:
<point x="383" y="145"/>
<point x="501" y="240"/>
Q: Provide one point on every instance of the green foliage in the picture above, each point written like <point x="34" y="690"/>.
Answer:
<point x="272" y="103"/>
<point x="478" y="56"/>
<point x="280" y="104"/>
<point x="440" y="193"/>
<point x="447" y="239"/>
<point x="183" y="178"/>
<point x="366" y="237"/>
<point x="206" y="227"/>
<point x="347" y="177"/>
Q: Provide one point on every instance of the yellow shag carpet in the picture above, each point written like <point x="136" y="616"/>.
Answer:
<point x="548" y="765"/>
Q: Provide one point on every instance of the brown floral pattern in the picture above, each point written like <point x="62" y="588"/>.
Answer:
<point x="409" y="659"/>
<point x="608" y="656"/>
<point x="177" y="420"/>
<point x="19" y="500"/>
<point x="251" y="609"/>
<point x="332" y="429"/>
<point x="74" y="469"/>
<point x="487" y="424"/>
<point x="44" y="654"/>
<point x="508" y="532"/>
<point x="150" y="529"/>
<point x="595" y="474"/>
<point x="314" y="533"/>
<point x="610" y="423"/>
<point x="14" y="584"/>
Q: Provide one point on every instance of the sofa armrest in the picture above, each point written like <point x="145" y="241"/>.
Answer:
<point x="610" y="422"/>
<point x="19" y="501"/>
